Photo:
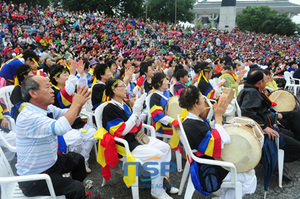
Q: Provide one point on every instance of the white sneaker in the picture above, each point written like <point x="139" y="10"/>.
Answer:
<point x="174" y="190"/>
<point x="163" y="196"/>
<point x="87" y="168"/>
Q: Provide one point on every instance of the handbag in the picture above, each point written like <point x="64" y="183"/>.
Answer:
<point x="142" y="138"/>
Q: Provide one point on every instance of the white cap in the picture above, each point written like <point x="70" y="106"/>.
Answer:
<point x="208" y="61"/>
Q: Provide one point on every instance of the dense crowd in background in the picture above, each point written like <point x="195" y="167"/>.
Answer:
<point x="92" y="35"/>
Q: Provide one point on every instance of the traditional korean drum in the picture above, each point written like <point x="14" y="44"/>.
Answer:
<point x="285" y="100"/>
<point x="247" y="139"/>
<point x="173" y="108"/>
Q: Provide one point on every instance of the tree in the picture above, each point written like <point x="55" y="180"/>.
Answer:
<point x="43" y="3"/>
<point x="110" y="7"/>
<point x="265" y="20"/>
<point x="165" y="10"/>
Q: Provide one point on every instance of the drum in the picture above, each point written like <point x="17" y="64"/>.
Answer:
<point x="173" y="108"/>
<point x="247" y="139"/>
<point x="285" y="101"/>
<point x="206" y="109"/>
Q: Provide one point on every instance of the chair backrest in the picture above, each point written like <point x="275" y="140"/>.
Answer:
<point x="5" y="93"/>
<point x="287" y="76"/>
<point x="184" y="140"/>
<point x="99" y="114"/>
<point x="148" y="103"/>
<point x="172" y="89"/>
<point x="88" y="106"/>
<point x="211" y="111"/>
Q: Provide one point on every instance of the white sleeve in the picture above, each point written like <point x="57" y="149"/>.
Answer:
<point x="225" y="138"/>
<point x="129" y="124"/>
<point x="82" y="80"/>
<point x="71" y="84"/>
<point x="218" y="91"/>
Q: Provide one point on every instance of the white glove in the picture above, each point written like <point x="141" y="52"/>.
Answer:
<point x="138" y="105"/>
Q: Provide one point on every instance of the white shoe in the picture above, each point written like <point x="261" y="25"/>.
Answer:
<point x="87" y="168"/>
<point x="174" y="190"/>
<point x="163" y="196"/>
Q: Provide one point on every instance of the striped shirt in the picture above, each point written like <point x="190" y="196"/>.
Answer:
<point x="37" y="138"/>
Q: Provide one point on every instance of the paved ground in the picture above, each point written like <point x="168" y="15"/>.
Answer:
<point x="115" y="187"/>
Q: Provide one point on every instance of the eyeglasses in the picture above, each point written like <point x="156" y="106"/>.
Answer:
<point x="123" y="85"/>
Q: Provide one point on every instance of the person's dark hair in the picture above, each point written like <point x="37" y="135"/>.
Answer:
<point x="110" y="63"/>
<point x="254" y="76"/>
<point x="100" y="70"/>
<point x="188" y="97"/>
<point x="157" y="80"/>
<point x="201" y="66"/>
<point x="28" y="84"/>
<point x="124" y="62"/>
<point x="267" y="71"/>
<point x="109" y="85"/>
<point x="177" y="67"/>
<point x="55" y="71"/>
<point x="228" y="67"/>
<point x="31" y="55"/>
<point x="86" y="64"/>
<point x="21" y="71"/>
<point x="143" y="68"/>
<point x="180" y="73"/>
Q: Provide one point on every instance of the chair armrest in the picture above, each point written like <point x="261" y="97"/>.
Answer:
<point x="11" y="124"/>
<point x="7" y="145"/>
<point x="46" y="177"/>
<point x="125" y="144"/>
<point x="151" y="128"/>
<point x="293" y="79"/>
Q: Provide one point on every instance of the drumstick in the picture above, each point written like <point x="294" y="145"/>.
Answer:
<point x="277" y="96"/>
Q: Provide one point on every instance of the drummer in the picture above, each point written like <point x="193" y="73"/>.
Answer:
<point x="257" y="106"/>
<point x="158" y="101"/>
<point x="208" y="140"/>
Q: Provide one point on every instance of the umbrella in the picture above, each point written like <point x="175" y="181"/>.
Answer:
<point x="269" y="159"/>
<point x="270" y="156"/>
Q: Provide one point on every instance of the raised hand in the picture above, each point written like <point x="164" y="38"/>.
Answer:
<point x="82" y="95"/>
<point x="80" y="68"/>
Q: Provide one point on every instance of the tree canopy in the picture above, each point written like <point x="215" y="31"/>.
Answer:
<point x="165" y="10"/>
<point x="265" y="20"/>
<point x="123" y="7"/>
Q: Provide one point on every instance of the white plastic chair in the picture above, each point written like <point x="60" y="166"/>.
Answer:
<point x="9" y="183"/>
<point x="190" y="187"/>
<point x="291" y="82"/>
<point x="98" y="118"/>
<point x="163" y="136"/>
<point x="5" y="93"/>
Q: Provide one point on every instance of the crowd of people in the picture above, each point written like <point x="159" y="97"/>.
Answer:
<point x="69" y="55"/>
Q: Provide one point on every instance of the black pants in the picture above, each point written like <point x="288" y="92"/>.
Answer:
<point x="292" y="147"/>
<point x="71" y="188"/>
<point x="291" y="121"/>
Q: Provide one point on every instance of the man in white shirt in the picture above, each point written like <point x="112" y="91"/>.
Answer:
<point x="37" y="140"/>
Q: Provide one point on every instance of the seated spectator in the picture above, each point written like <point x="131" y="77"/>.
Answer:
<point x="159" y="99"/>
<point x="182" y="79"/>
<point x="63" y="86"/>
<point x="122" y="121"/>
<point x="40" y="116"/>
<point x="8" y="70"/>
<point x="102" y="74"/>
<point x="199" y="132"/>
